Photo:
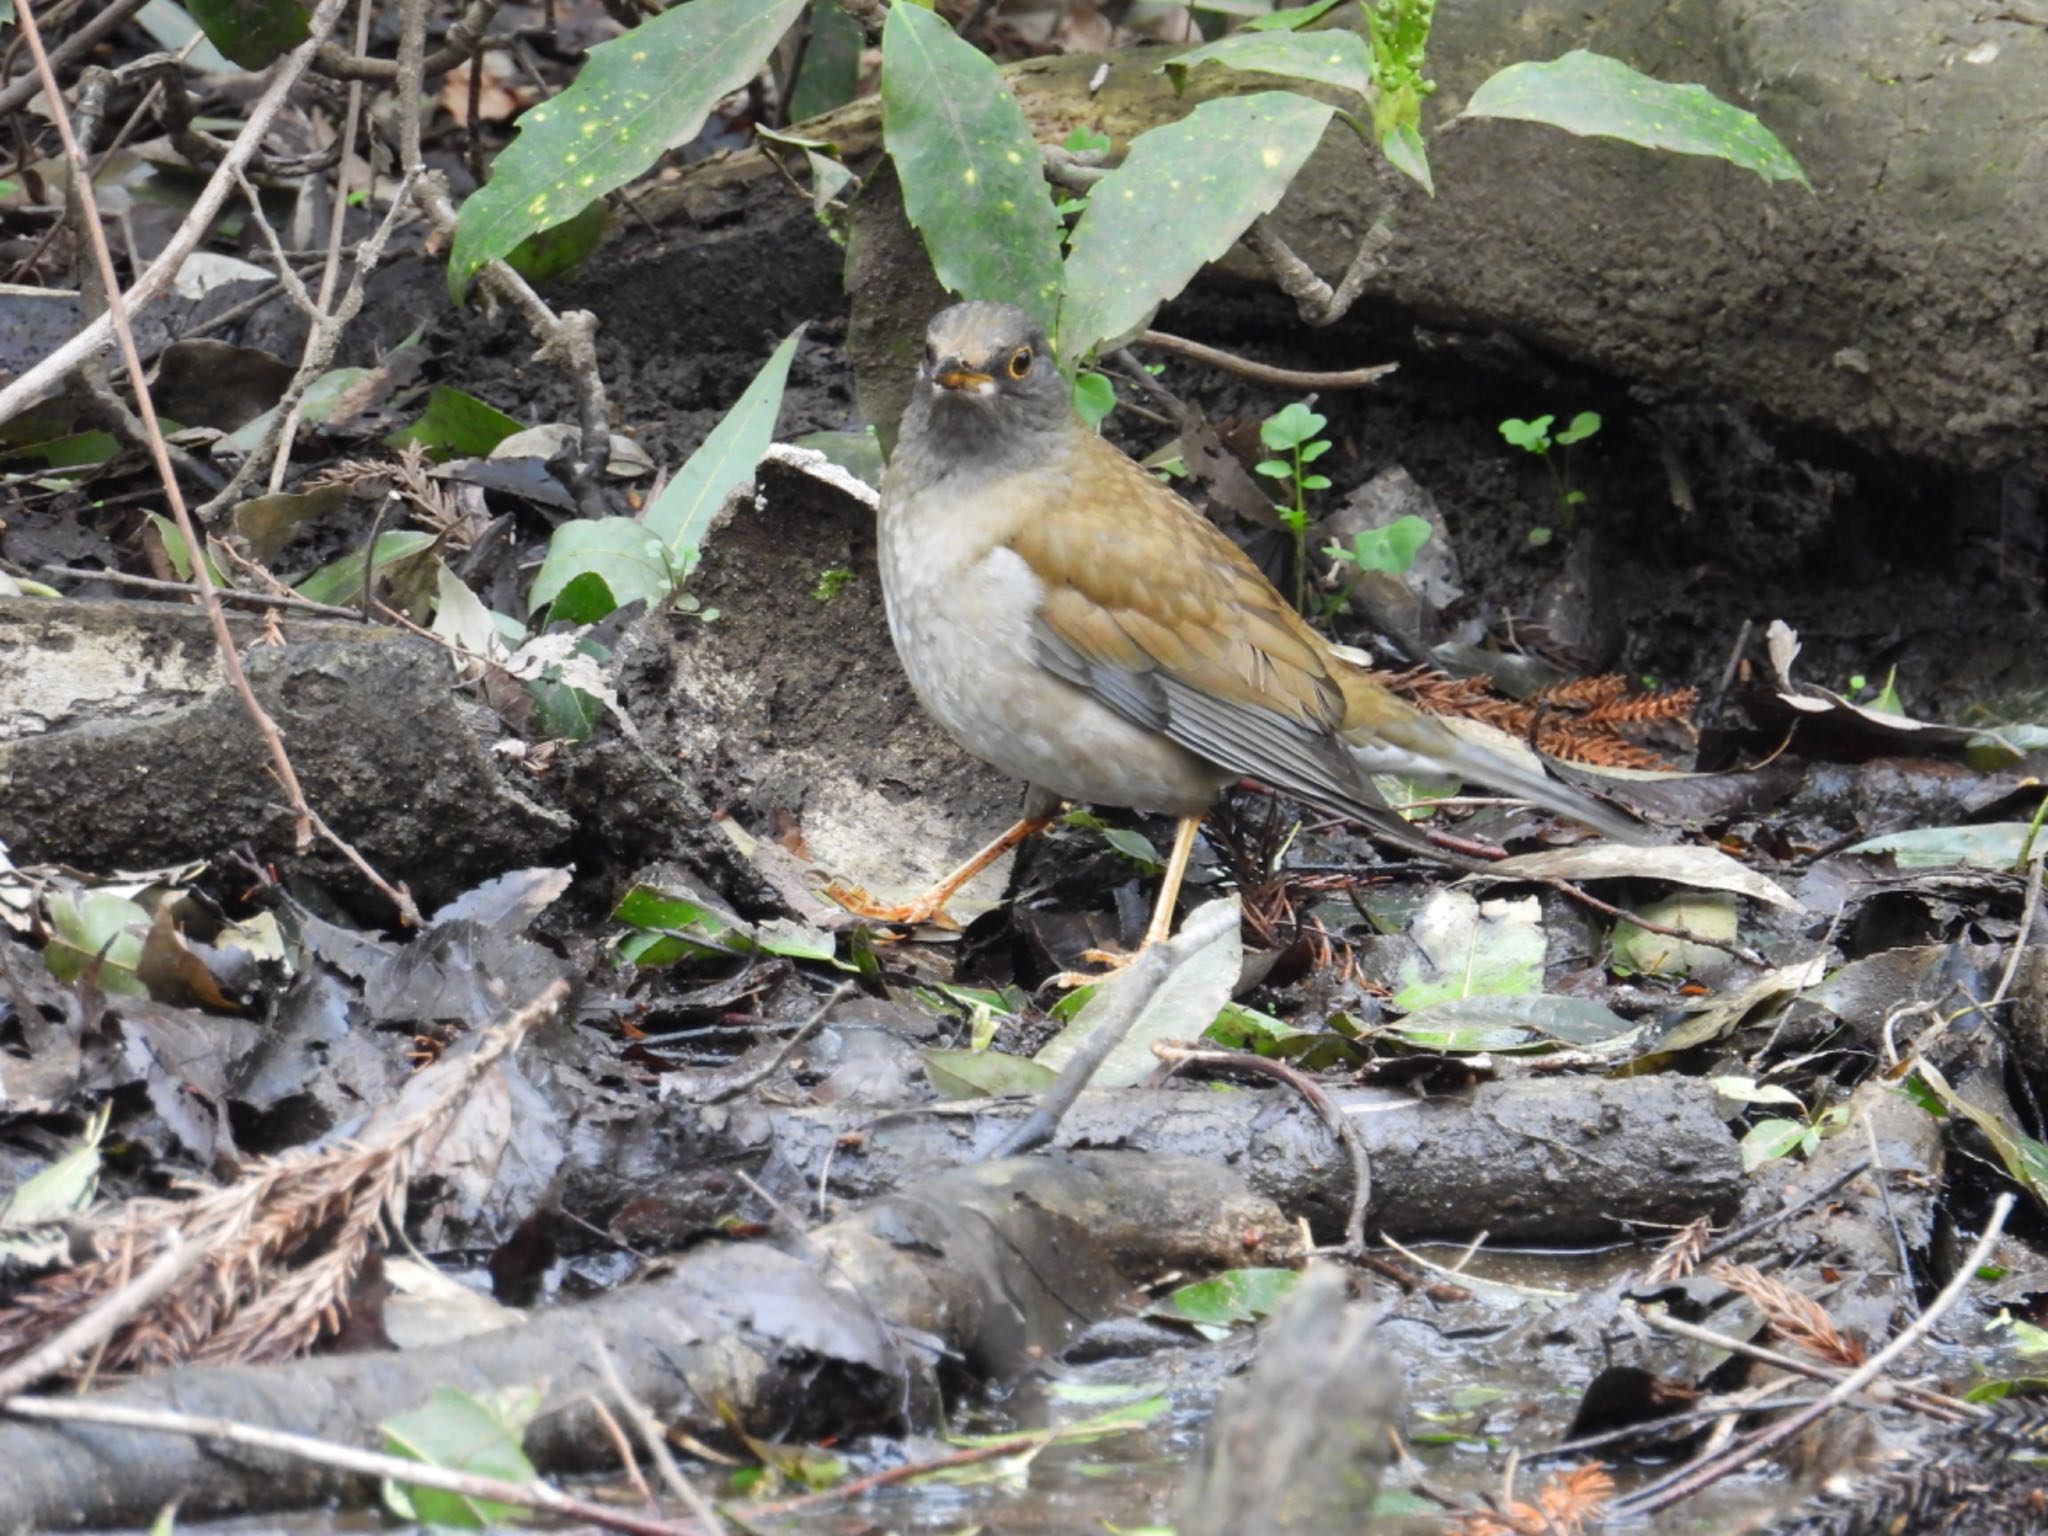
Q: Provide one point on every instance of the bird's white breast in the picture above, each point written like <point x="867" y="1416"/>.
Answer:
<point x="962" y="606"/>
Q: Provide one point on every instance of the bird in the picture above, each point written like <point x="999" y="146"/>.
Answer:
<point x="1070" y="620"/>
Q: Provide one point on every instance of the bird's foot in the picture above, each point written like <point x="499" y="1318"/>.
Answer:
<point x="910" y="914"/>
<point x="1114" y="962"/>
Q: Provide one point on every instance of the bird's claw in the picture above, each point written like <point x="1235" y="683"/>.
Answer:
<point x="1114" y="962"/>
<point x="911" y="914"/>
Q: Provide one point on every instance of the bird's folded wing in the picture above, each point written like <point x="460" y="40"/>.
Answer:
<point x="1162" y="618"/>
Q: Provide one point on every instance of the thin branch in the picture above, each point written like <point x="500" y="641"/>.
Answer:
<point x="191" y="589"/>
<point x="1705" y="1473"/>
<point x="460" y="42"/>
<point x="117" y="316"/>
<point x="39" y="380"/>
<point x="343" y="1458"/>
<point x="321" y="342"/>
<point x="568" y="339"/>
<point x="1264" y="373"/>
<point x="1317" y="303"/>
<point x="1326" y="1109"/>
<point x="1939" y="1405"/>
<point x="87" y="1332"/>
<point x="112" y="15"/>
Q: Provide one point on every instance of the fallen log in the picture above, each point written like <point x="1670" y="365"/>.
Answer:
<point x="845" y="1330"/>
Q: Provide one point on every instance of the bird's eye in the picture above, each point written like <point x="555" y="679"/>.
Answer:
<point x="1020" y="363"/>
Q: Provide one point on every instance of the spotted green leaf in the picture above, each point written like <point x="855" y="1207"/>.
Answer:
<point x="252" y="33"/>
<point x="683" y="512"/>
<point x="970" y="170"/>
<point x="637" y="96"/>
<point x="1334" y="57"/>
<point x="1183" y="195"/>
<point x="1591" y="94"/>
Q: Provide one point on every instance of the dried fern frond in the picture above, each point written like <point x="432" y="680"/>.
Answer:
<point x="1564" y="1506"/>
<point x="1680" y="1256"/>
<point x="274" y="1253"/>
<point x="1582" y="721"/>
<point x="1792" y="1315"/>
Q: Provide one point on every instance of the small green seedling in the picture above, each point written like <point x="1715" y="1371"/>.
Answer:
<point x="1391" y="549"/>
<point x="1887" y="701"/>
<point x="831" y="582"/>
<point x="1292" y="430"/>
<point x="1536" y="437"/>
<point x="1094" y="398"/>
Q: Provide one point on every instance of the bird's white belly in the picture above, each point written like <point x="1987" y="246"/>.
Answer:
<point x="963" y="628"/>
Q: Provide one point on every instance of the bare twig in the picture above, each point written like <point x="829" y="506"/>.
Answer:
<point x="1129" y="994"/>
<point x="321" y="342"/>
<point x="1935" y="1404"/>
<point x="1704" y="1473"/>
<point x="112" y="15"/>
<point x="462" y="40"/>
<point x="568" y="339"/>
<point x="1317" y="303"/>
<point x="32" y="385"/>
<point x="344" y="1458"/>
<point x="117" y="316"/>
<point x="1587" y="899"/>
<point x="191" y="589"/>
<point x="1326" y="1110"/>
<point x="649" y="1429"/>
<point x="1264" y="373"/>
<point x="88" y="1331"/>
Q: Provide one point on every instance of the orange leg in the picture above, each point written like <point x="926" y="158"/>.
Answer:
<point x="931" y="906"/>
<point x="1161" y="927"/>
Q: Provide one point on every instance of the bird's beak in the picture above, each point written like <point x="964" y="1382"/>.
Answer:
<point x="957" y="376"/>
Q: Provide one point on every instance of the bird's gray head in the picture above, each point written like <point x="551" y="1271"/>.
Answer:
<point x="987" y="391"/>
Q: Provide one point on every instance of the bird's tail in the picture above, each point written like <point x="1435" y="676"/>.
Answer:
<point x="1422" y="746"/>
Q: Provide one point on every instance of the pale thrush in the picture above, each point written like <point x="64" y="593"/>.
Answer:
<point x="1073" y="622"/>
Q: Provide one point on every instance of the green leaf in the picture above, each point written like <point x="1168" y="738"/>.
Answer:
<point x="1315" y="482"/>
<point x="1291" y="426"/>
<point x="1333" y="57"/>
<point x="252" y="33"/>
<point x="458" y="1432"/>
<point x="1086" y="141"/>
<point x="1094" y="398"/>
<point x="1300" y="16"/>
<point x="1235" y="1297"/>
<point x="1583" y="426"/>
<point x="584" y="599"/>
<point x="1991" y="845"/>
<point x="1710" y="914"/>
<point x="1277" y="469"/>
<point x="1186" y="1003"/>
<point x="1403" y="147"/>
<point x="1591" y="94"/>
<point x="830" y="72"/>
<point x="342" y="582"/>
<point x="1769" y="1140"/>
<point x="621" y="550"/>
<point x="180" y="556"/>
<point x="634" y="98"/>
<point x="1532" y="435"/>
<point x="1515" y="1022"/>
<point x="456" y="425"/>
<point x="1183" y="195"/>
<point x="985" y="1074"/>
<point x="1391" y="549"/>
<point x="82" y="924"/>
<point x="683" y="511"/>
<point x="561" y="247"/>
<point x="972" y="178"/>
<point x="1466" y="948"/>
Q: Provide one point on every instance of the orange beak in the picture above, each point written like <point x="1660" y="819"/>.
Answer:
<point x="953" y="376"/>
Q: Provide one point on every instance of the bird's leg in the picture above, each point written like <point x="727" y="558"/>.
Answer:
<point x="931" y="906"/>
<point x="1161" y="927"/>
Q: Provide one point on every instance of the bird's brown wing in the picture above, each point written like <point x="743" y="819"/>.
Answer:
<point x="1157" y="614"/>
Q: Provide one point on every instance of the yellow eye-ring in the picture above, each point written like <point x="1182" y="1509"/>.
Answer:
<point x="1020" y="363"/>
